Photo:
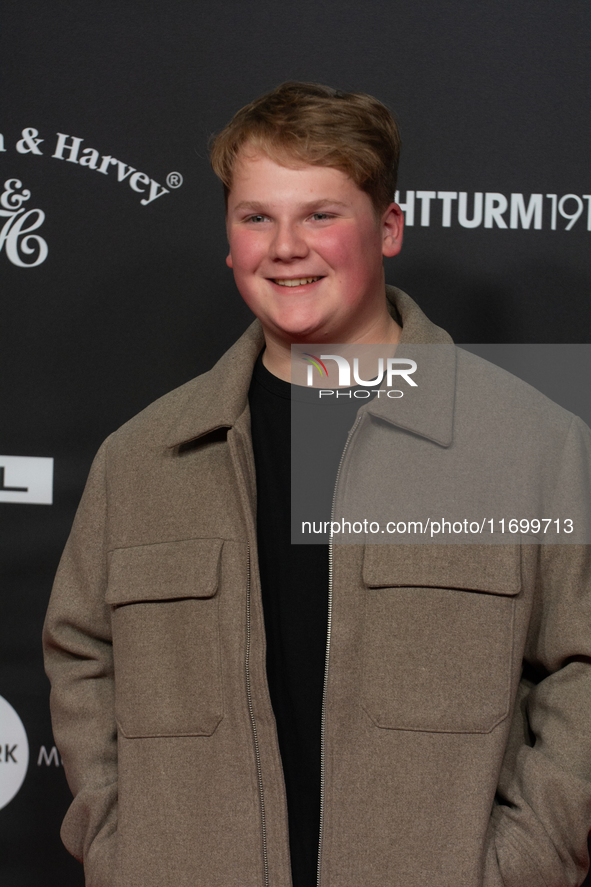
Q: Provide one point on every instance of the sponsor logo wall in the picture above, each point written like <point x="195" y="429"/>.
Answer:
<point x="69" y="148"/>
<point x="26" y="479"/>
<point x="16" y="237"/>
<point x="494" y="210"/>
<point x="113" y="285"/>
<point x="14" y="753"/>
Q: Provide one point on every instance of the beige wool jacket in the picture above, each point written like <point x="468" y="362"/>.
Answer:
<point x="457" y="733"/>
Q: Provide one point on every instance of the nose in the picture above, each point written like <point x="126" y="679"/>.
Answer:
<point x="288" y="243"/>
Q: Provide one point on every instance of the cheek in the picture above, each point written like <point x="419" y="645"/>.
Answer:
<point x="352" y="252"/>
<point x="246" y="252"/>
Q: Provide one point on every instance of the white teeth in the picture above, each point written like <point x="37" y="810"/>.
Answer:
<point x="297" y="281"/>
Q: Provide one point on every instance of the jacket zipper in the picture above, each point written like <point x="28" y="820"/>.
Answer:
<point x="327" y="658"/>
<point x="254" y="730"/>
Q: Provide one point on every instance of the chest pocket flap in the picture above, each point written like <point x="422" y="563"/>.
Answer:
<point x="494" y="569"/>
<point x="188" y="568"/>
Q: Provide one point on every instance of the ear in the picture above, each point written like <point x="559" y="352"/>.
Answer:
<point x="392" y="225"/>
<point x="229" y="262"/>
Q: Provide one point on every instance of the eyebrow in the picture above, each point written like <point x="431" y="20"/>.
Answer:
<point x="256" y="206"/>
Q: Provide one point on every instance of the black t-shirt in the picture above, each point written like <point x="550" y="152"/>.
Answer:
<point x="294" y="583"/>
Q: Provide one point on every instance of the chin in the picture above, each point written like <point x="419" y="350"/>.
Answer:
<point x="301" y="329"/>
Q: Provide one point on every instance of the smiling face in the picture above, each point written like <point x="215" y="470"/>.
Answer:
<point x="306" y="250"/>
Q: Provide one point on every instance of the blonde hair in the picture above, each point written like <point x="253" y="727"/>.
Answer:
<point x="316" y="125"/>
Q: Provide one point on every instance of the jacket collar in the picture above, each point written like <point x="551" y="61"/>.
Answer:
<point x="428" y="409"/>
<point x="220" y="396"/>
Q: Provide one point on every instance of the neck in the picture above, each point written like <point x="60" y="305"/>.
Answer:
<point x="277" y="355"/>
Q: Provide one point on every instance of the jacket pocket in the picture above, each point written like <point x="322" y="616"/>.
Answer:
<point x="166" y="637"/>
<point x="438" y="636"/>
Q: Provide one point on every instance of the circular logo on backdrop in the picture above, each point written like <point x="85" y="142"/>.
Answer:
<point x="14" y="753"/>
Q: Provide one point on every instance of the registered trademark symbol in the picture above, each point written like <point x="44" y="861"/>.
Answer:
<point x="174" y="180"/>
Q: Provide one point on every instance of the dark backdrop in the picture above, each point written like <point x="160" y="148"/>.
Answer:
<point x="132" y="299"/>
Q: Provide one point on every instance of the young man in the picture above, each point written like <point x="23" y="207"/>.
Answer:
<point x="235" y="710"/>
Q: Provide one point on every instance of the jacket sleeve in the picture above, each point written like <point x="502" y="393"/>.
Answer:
<point x="542" y="815"/>
<point x="79" y="664"/>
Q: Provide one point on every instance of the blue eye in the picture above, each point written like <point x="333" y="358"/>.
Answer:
<point x="257" y="218"/>
<point x="320" y="217"/>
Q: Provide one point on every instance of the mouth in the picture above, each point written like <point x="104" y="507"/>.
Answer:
<point x="295" y="281"/>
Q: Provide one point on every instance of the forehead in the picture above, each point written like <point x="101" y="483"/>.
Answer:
<point x="258" y="177"/>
